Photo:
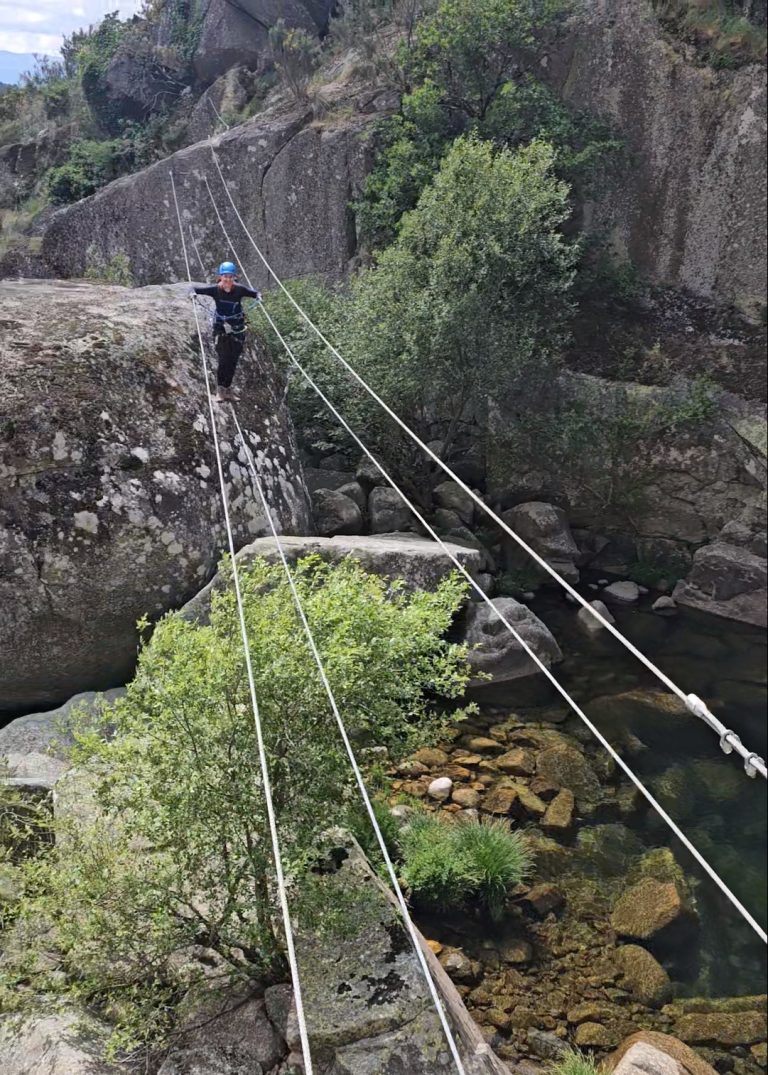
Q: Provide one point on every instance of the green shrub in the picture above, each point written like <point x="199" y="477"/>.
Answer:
<point x="447" y="864"/>
<point x="362" y="830"/>
<point x="115" y="271"/>
<point x="91" y="165"/>
<point x="175" y="852"/>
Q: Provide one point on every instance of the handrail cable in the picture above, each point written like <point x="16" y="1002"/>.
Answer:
<point x="267" y="784"/>
<point x="729" y="740"/>
<point x="516" y="634"/>
<point x="351" y="755"/>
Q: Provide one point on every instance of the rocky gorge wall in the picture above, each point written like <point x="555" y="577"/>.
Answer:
<point x="291" y="178"/>
<point x="689" y="210"/>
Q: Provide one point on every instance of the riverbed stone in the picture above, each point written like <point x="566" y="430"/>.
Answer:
<point x="651" y="909"/>
<point x="727" y="581"/>
<point x="466" y="797"/>
<point x="546" y="1045"/>
<point x="517" y="762"/>
<point x="499" y="800"/>
<point x="559" y="814"/>
<point x="565" y="766"/>
<point x="545" y="528"/>
<point x="432" y="757"/>
<point x="440" y="788"/>
<point x="643" y="976"/>
<point x="721" y="1028"/>
<point x="596" y="1036"/>
<point x="545" y="898"/>
<point x="589" y="623"/>
<point x="624" y="592"/>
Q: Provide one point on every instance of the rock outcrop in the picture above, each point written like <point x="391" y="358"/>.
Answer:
<point x="67" y="1043"/>
<point x="291" y="178"/>
<point x="109" y="498"/>
<point x="689" y="211"/>
<point x="727" y="581"/>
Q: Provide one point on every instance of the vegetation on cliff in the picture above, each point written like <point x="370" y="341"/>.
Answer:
<point x="161" y="845"/>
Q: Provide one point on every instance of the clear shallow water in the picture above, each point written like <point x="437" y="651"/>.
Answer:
<point x="722" y="811"/>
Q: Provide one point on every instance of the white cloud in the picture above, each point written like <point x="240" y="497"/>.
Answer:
<point x="52" y="22"/>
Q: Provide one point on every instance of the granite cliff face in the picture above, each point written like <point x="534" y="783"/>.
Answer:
<point x="291" y="178"/>
<point x="109" y="498"/>
<point x="689" y="209"/>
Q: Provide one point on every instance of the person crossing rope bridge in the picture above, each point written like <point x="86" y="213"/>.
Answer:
<point x="229" y="327"/>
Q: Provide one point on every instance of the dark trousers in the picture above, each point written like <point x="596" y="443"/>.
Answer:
<point x="229" y="347"/>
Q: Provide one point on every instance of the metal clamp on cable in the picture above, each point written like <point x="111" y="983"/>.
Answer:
<point x="701" y="709"/>
<point x="751" y="763"/>
<point x="728" y="740"/>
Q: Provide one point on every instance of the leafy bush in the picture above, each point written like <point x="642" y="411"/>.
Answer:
<point x="91" y="165"/>
<point x="296" y="55"/>
<point x="175" y="852"/>
<point x="720" y="30"/>
<point x="446" y="864"/>
<point x="470" y="301"/>
<point x="115" y="271"/>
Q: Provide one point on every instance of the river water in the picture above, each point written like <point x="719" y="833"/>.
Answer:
<point x="722" y="811"/>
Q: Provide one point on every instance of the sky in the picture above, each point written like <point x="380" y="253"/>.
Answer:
<point x="39" y="25"/>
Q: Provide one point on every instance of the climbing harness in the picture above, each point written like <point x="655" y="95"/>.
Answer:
<point x="497" y="612"/>
<point x="753" y="763"/>
<point x="266" y="782"/>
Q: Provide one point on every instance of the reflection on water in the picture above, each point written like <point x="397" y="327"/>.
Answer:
<point x="721" y="810"/>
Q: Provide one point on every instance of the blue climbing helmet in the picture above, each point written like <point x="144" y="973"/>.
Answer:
<point x="227" y="268"/>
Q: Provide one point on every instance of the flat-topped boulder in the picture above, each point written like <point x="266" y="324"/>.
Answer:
<point x="419" y="562"/>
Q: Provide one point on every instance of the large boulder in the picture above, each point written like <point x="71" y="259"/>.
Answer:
<point x="336" y="513"/>
<point x="729" y="581"/>
<point x="109" y="498"/>
<point x="651" y="1053"/>
<point x="417" y="561"/>
<point x="34" y="747"/>
<point x="496" y="652"/>
<point x="388" y="512"/>
<point x="653" y="911"/>
<point x="545" y="528"/>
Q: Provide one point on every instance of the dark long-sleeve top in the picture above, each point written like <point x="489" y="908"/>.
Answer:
<point x="229" y="309"/>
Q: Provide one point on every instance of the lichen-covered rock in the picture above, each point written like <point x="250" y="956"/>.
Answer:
<point x="650" y="1053"/>
<point x="230" y="36"/>
<point x="643" y="976"/>
<point x="545" y="528"/>
<point x="449" y="496"/>
<point x="689" y="210"/>
<point x="335" y="513"/>
<point x="291" y="180"/>
<point x="496" y="652"/>
<point x="728" y="581"/>
<point x="109" y="498"/>
<point x="388" y="512"/>
<point x="721" y="1028"/>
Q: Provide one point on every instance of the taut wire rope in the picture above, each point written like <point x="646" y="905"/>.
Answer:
<point x="516" y="634"/>
<point x="729" y="740"/>
<point x="266" y="782"/>
<point x="351" y="755"/>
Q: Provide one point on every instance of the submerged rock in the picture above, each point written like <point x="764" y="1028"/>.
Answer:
<point x="643" y="976"/>
<point x="652" y="910"/>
